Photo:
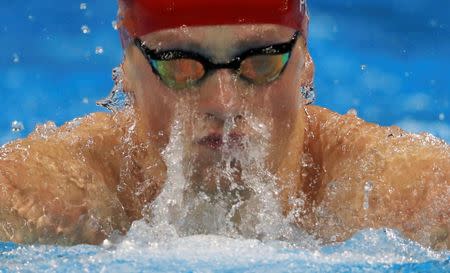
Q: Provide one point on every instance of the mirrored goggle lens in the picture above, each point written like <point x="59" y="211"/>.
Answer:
<point x="261" y="69"/>
<point x="179" y="73"/>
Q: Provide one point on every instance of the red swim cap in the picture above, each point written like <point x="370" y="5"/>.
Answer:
<point x="139" y="17"/>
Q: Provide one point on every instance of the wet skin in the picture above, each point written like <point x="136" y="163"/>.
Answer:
<point x="80" y="182"/>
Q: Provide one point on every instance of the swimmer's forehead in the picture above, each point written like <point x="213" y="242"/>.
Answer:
<point x="225" y="39"/>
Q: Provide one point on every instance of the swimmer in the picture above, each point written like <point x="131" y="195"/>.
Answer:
<point x="224" y="77"/>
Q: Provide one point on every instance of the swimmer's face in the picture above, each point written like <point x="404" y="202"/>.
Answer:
<point x="222" y="113"/>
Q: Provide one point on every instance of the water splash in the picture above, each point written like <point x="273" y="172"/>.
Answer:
<point x="309" y="94"/>
<point x="243" y="202"/>
<point x="381" y="250"/>
<point x="117" y="98"/>
<point x="17" y="126"/>
<point x="352" y="112"/>
<point x="114" y="25"/>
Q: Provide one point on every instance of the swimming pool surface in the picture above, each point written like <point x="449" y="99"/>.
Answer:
<point x="367" y="251"/>
<point x="388" y="59"/>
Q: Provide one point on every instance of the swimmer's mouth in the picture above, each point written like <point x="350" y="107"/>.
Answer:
<point x="216" y="141"/>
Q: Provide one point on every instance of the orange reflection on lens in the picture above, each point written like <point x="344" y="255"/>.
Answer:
<point x="261" y="69"/>
<point x="179" y="73"/>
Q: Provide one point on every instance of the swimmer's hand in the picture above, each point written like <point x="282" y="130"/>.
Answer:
<point x="57" y="186"/>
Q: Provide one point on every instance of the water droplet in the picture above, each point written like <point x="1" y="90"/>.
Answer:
<point x="85" y="100"/>
<point x="16" y="58"/>
<point x="17" y="126"/>
<point x="185" y="29"/>
<point x="85" y="29"/>
<point x="308" y="94"/>
<point x="83" y="6"/>
<point x="114" y="25"/>
<point x="441" y="116"/>
<point x="363" y="67"/>
<point x="368" y="186"/>
<point x="99" y="50"/>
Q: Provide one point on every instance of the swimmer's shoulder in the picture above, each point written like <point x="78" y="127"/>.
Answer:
<point x="99" y="123"/>
<point x="95" y="127"/>
<point x="350" y="145"/>
<point x="332" y="127"/>
<point x="96" y="136"/>
<point x="344" y="142"/>
<point x="332" y="131"/>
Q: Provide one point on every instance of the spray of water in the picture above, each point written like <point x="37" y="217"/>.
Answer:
<point x="243" y="204"/>
<point x="117" y="98"/>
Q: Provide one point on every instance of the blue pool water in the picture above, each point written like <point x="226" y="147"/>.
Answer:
<point x="388" y="59"/>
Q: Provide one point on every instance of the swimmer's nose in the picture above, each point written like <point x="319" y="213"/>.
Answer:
<point x="219" y="95"/>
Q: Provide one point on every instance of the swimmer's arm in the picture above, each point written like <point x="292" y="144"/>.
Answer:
<point x="408" y="176"/>
<point x="57" y="186"/>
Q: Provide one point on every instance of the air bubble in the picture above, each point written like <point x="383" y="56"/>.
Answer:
<point x="363" y="67"/>
<point x="441" y="116"/>
<point x="17" y="126"/>
<point x="83" y="6"/>
<point x="85" y="100"/>
<point x="85" y="29"/>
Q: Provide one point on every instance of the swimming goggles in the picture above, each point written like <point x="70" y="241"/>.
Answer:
<point x="180" y="69"/>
